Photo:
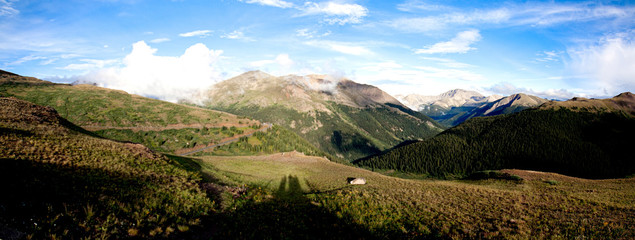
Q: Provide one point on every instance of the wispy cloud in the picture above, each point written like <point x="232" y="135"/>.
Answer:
<point x="237" y="35"/>
<point x="509" y="89"/>
<point x="25" y="59"/>
<point x="396" y="78"/>
<point x="418" y="5"/>
<point x="549" y="56"/>
<point x="197" y="33"/>
<point x="459" y="44"/>
<point x="308" y="33"/>
<point x="336" y="13"/>
<point x="451" y="63"/>
<point x="342" y="47"/>
<point x="272" y="3"/>
<point x="90" y="64"/>
<point x="440" y="22"/>
<point x="6" y="8"/>
<point x="529" y="14"/>
<point x="608" y="63"/>
<point x="159" y="40"/>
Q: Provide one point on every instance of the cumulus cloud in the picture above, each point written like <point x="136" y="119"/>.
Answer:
<point x="197" y="33"/>
<point x="336" y="13"/>
<point x="608" y="64"/>
<point x="163" y="77"/>
<point x="459" y="44"/>
<point x="272" y="3"/>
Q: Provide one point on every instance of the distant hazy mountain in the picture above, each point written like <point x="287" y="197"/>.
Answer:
<point x="446" y="100"/>
<point x="342" y="117"/>
<point x="590" y="138"/>
<point x="456" y="106"/>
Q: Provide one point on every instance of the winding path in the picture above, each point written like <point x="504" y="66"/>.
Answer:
<point x="263" y="128"/>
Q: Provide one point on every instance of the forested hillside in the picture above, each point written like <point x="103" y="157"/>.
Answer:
<point x="587" y="143"/>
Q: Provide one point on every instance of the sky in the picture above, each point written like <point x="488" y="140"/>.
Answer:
<point x="168" y="49"/>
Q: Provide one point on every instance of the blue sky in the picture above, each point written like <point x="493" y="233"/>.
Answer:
<point x="165" y="49"/>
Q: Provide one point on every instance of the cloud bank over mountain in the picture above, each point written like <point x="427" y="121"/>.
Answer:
<point x="169" y="78"/>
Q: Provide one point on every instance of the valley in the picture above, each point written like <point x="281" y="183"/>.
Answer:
<point x="80" y="161"/>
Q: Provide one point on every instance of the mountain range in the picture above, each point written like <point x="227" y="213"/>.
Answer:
<point x="588" y="138"/>
<point x="344" y="118"/>
<point x="456" y="106"/>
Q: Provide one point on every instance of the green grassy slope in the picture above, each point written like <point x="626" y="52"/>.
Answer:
<point x="291" y="196"/>
<point x="159" y="125"/>
<point x="579" y="143"/>
<point x="59" y="182"/>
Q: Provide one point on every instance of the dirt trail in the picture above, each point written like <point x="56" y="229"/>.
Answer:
<point x="225" y="141"/>
<point x="168" y="127"/>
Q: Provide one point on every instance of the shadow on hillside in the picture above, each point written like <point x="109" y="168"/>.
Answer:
<point x="43" y="199"/>
<point x="287" y="215"/>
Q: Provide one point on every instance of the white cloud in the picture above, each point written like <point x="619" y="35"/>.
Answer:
<point x="459" y="44"/>
<point x="444" y="21"/>
<point x="308" y="33"/>
<point x="448" y="62"/>
<point x="272" y="3"/>
<point x="342" y="47"/>
<point x="549" y="56"/>
<point x="26" y="59"/>
<point x="237" y="35"/>
<point x="402" y="79"/>
<point x="509" y="89"/>
<point x="336" y="13"/>
<point x="90" y="64"/>
<point x="418" y="5"/>
<point x="159" y="40"/>
<point x="528" y="14"/>
<point x="197" y="33"/>
<point x="163" y="77"/>
<point x="608" y="64"/>
<point x="6" y="8"/>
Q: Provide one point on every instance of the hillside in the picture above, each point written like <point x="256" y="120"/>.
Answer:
<point x="557" y="137"/>
<point x="60" y="182"/>
<point x="341" y="117"/>
<point x="300" y="197"/>
<point x="160" y="125"/>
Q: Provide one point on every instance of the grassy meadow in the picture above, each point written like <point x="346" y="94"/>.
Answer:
<point x="59" y="182"/>
<point x="541" y="205"/>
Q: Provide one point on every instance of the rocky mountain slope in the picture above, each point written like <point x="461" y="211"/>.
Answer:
<point x="456" y="106"/>
<point x="579" y="137"/>
<point x="341" y="117"/>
